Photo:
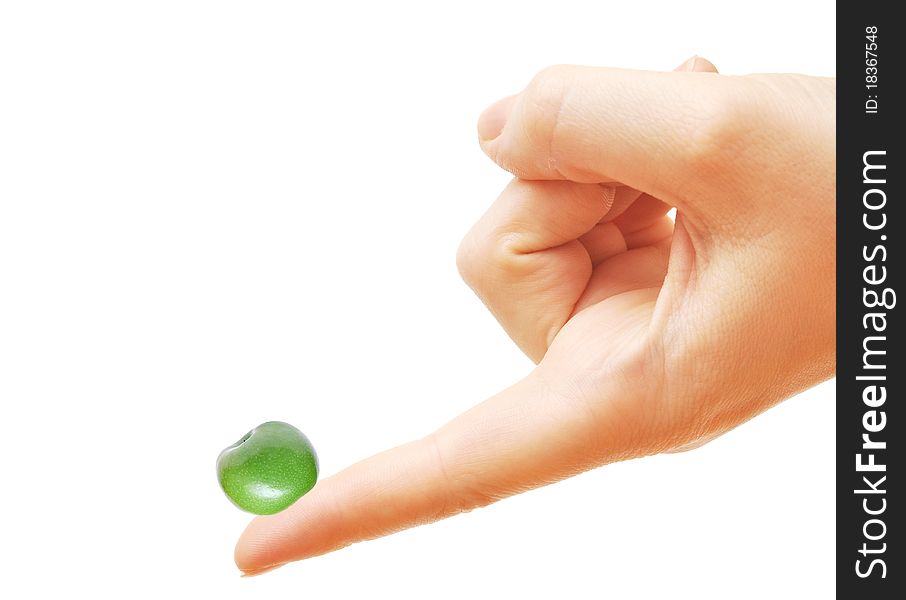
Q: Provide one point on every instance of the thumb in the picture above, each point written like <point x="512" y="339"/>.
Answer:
<point x="522" y="438"/>
<point x="644" y="129"/>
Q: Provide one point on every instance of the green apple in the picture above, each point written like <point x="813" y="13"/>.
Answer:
<point x="271" y="467"/>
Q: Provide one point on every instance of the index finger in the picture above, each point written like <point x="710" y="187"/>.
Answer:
<point x="524" y="437"/>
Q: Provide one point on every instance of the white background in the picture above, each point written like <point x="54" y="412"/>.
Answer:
<point x="214" y="214"/>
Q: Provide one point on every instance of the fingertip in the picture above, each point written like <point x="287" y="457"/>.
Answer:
<point x="697" y="64"/>
<point x="263" y="546"/>
<point x="702" y="65"/>
<point x="688" y="64"/>
<point x="261" y="571"/>
<point x="247" y="554"/>
<point x="494" y="118"/>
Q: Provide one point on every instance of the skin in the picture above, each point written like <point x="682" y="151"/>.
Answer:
<point x="648" y="338"/>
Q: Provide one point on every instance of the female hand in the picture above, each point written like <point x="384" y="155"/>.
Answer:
<point x="648" y="337"/>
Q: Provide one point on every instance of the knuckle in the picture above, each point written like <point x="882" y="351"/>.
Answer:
<point x="547" y="84"/>
<point x="479" y="260"/>
<point x="502" y="246"/>
<point x="509" y="255"/>
<point x="488" y="258"/>
<point x="542" y="105"/>
<point x="460" y="489"/>
<point x="723" y="127"/>
<point x="499" y="257"/>
<point x="467" y="259"/>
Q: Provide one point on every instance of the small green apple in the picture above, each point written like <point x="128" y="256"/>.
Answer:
<point x="271" y="467"/>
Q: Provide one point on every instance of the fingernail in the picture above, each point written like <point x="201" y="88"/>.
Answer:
<point x="261" y="571"/>
<point x="689" y="65"/>
<point x="494" y="117"/>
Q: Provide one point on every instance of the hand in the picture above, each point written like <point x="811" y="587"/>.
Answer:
<point x="648" y="337"/>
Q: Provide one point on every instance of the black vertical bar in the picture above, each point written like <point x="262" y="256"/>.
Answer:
<point x="870" y="367"/>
